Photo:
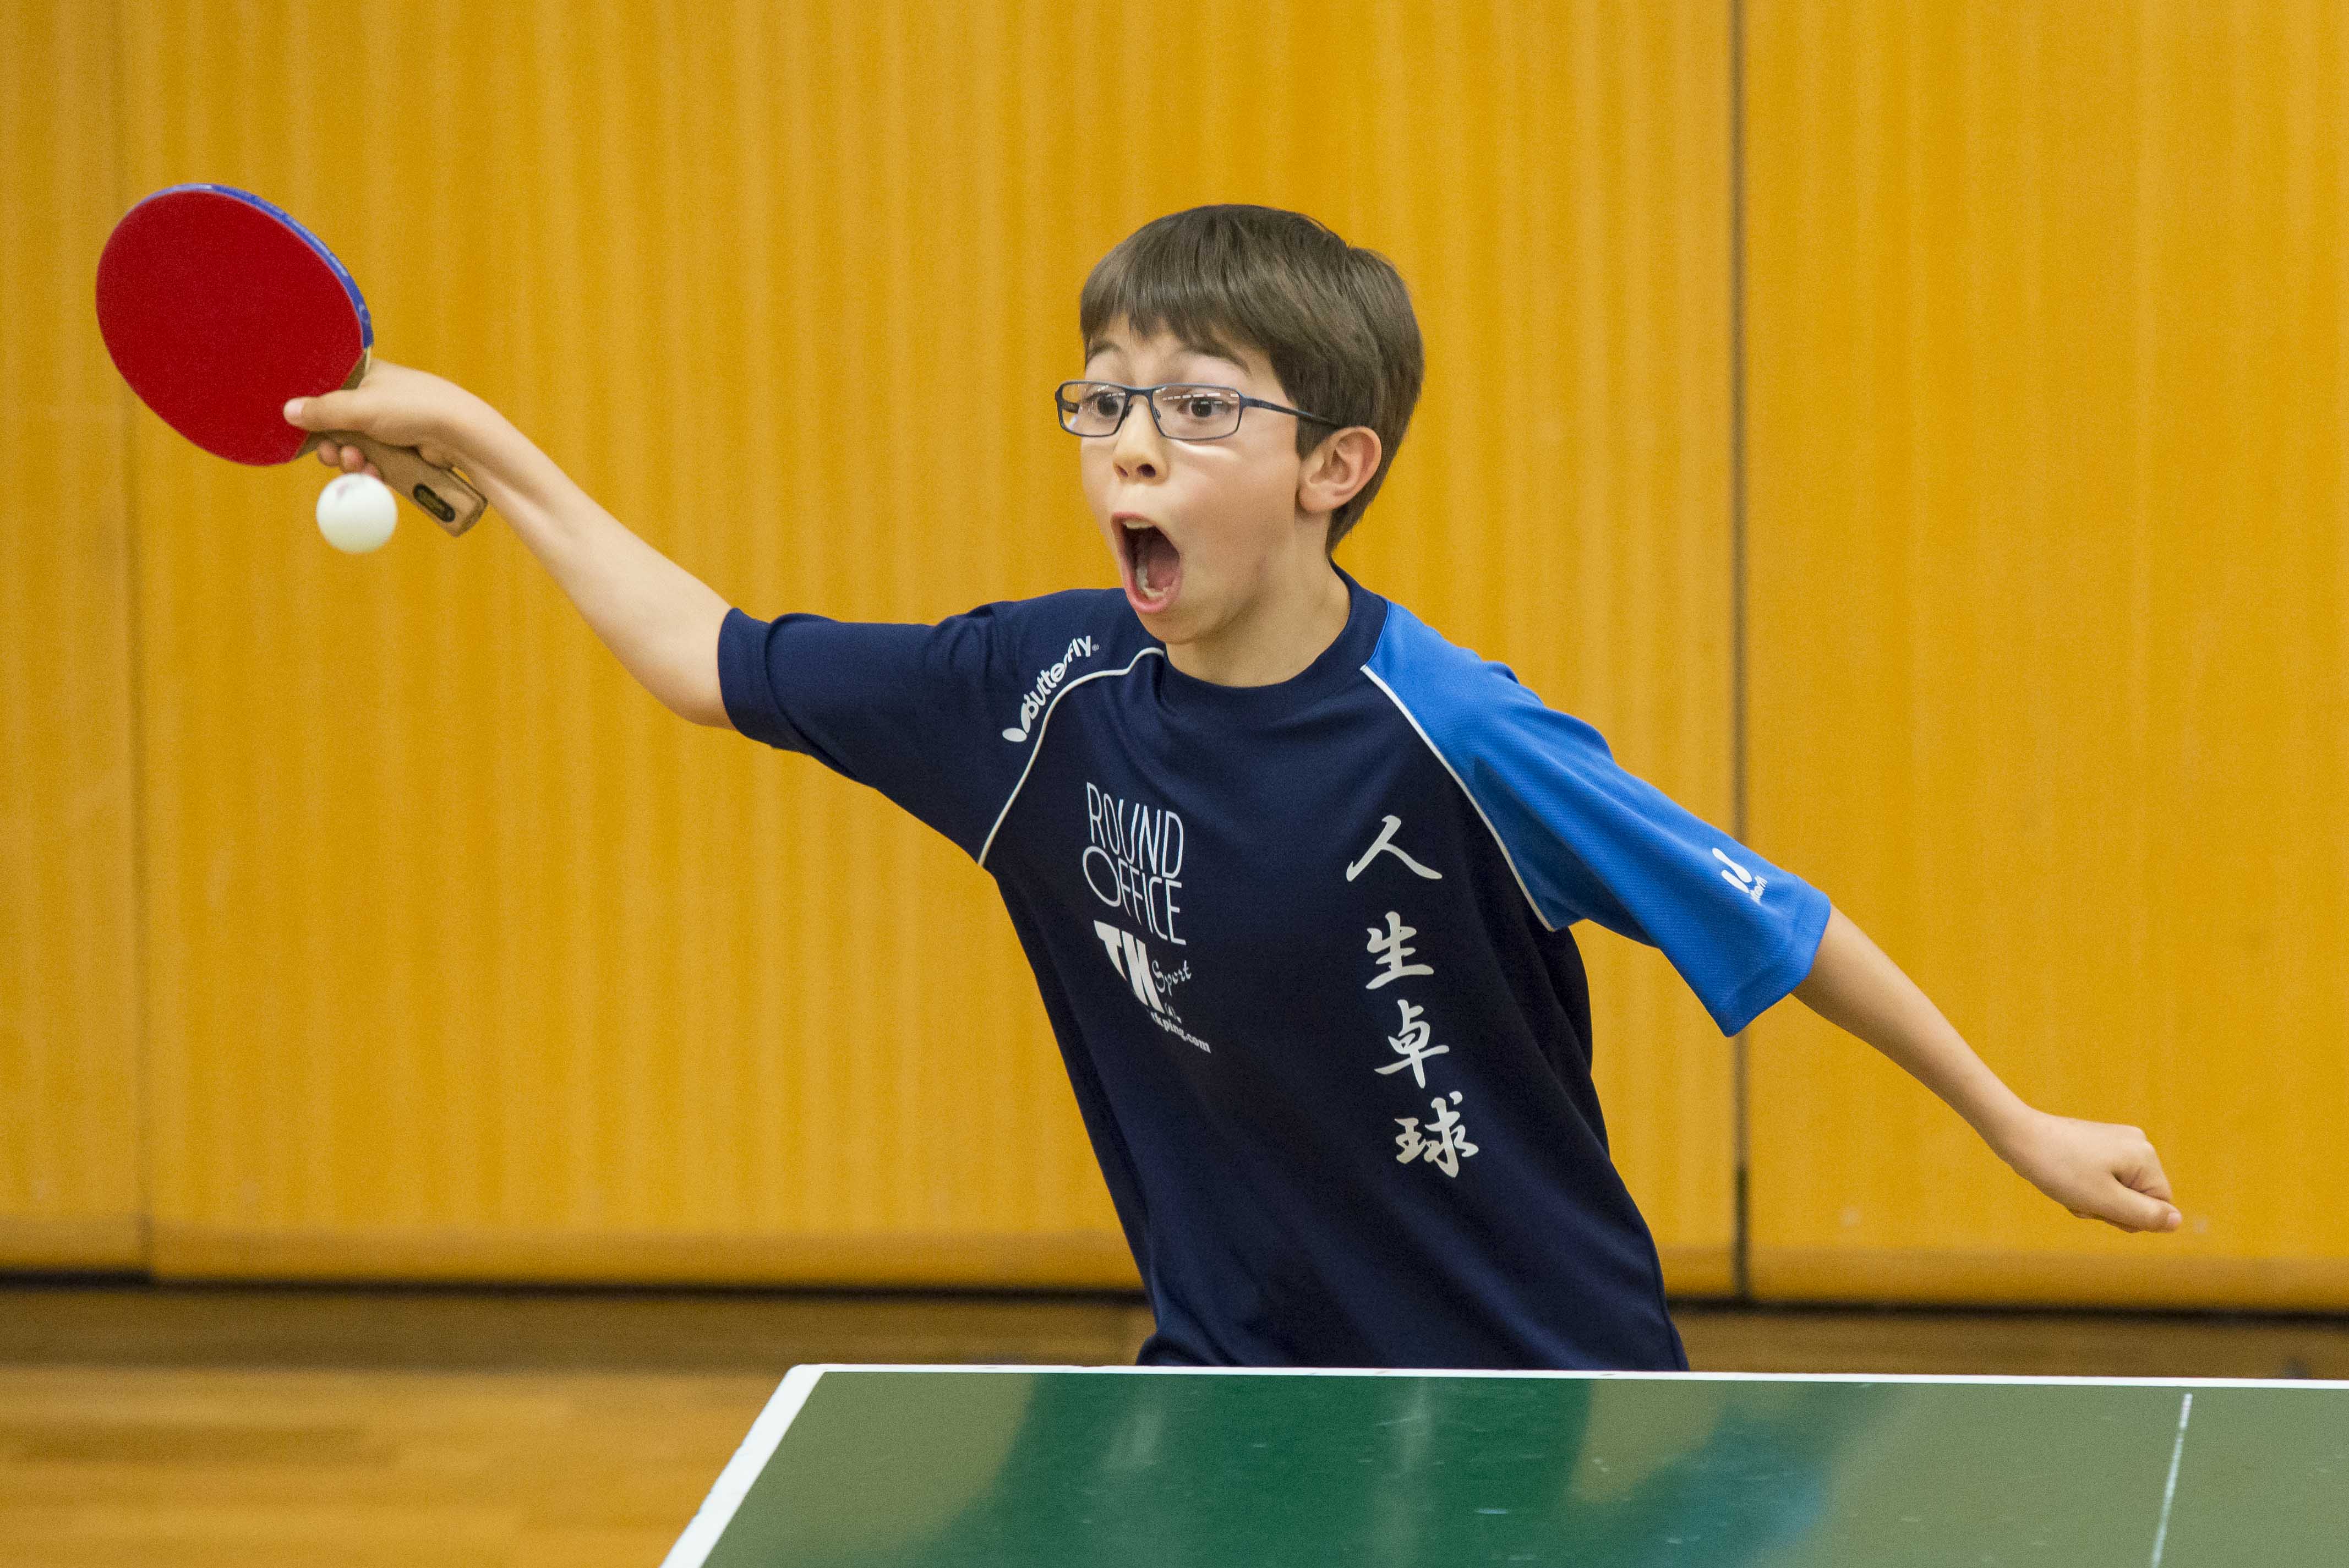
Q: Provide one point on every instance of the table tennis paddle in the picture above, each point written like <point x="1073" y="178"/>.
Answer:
<point x="218" y="307"/>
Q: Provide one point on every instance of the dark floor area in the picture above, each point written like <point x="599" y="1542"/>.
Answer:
<point x="116" y="1322"/>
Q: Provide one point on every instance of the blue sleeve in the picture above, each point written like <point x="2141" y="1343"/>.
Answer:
<point x="1589" y="841"/>
<point x="918" y="713"/>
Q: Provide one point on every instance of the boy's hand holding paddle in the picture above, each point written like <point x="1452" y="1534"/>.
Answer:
<point x="398" y="407"/>
<point x="219" y="308"/>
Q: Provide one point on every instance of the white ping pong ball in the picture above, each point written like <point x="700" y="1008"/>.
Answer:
<point x="356" y="513"/>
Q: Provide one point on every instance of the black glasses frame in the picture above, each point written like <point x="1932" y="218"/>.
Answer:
<point x="1149" y="396"/>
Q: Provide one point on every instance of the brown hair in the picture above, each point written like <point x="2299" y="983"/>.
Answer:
<point x="1334" y="319"/>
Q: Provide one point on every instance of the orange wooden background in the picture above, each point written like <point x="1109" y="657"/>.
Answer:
<point x="2050" y="373"/>
<point x="359" y="918"/>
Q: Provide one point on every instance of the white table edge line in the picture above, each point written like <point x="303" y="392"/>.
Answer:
<point x="1921" y="1378"/>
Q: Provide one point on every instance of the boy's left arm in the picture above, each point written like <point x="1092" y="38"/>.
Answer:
<point x="2096" y="1171"/>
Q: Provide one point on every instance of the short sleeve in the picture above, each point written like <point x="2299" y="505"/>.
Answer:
<point x="1588" y="840"/>
<point x="916" y="712"/>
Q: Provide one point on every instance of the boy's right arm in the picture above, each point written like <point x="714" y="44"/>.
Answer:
<point x="660" y="620"/>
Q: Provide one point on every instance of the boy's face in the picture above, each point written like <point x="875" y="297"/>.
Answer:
<point x="1199" y="528"/>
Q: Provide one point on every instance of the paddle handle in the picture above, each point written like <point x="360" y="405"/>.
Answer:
<point x="443" y="497"/>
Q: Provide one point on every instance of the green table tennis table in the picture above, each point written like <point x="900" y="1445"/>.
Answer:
<point x="1132" y="1467"/>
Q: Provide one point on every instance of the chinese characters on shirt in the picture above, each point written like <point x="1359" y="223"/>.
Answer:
<point x="1443" y="1141"/>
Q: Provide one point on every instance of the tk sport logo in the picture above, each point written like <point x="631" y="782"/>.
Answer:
<point x="1048" y="681"/>
<point x="1129" y="956"/>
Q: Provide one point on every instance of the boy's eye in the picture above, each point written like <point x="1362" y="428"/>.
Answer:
<point x="1106" y="404"/>
<point x="1200" y="411"/>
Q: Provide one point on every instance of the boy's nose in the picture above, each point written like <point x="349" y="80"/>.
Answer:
<point x="1137" y="449"/>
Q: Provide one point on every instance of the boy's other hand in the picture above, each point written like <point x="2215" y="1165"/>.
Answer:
<point x="397" y="405"/>
<point x="2098" y="1171"/>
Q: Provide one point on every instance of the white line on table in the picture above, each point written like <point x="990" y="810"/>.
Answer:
<point x="2169" y="1492"/>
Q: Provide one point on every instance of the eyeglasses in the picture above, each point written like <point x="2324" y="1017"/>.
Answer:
<point x="1182" y="410"/>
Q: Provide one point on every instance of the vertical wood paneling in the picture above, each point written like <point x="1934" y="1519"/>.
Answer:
<point x="2050" y="374"/>
<point x="469" y="958"/>
<point x="69" y="1179"/>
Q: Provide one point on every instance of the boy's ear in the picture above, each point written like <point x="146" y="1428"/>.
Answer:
<point x="1337" y="468"/>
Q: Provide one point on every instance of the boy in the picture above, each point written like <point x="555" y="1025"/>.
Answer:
<point x="1295" y="875"/>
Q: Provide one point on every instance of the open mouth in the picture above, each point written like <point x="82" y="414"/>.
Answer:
<point x="1153" y="566"/>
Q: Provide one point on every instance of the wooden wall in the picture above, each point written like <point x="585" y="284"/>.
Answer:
<point x="2049" y="537"/>
<point x="71" y="1131"/>
<point x="459" y="957"/>
<point x="359" y="918"/>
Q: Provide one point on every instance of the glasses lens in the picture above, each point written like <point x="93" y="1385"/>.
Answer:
<point x="1198" y="413"/>
<point x="1091" y="408"/>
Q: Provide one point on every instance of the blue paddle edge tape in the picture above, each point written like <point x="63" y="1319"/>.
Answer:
<point x="350" y="287"/>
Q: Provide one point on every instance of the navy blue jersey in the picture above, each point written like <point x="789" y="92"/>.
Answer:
<point x="1306" y="951"/>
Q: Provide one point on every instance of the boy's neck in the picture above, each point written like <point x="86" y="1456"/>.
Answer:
<point x="1291" y="623"/>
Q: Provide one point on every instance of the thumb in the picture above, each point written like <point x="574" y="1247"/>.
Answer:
<point x="2138" y="1211"/>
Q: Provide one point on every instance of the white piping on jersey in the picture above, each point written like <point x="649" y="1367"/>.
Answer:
<point x="1036" y="742"/>
<point x="1506" y="858"/>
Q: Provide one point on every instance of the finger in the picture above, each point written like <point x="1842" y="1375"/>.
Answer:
<point x="2149" y="1178"/>
<point x="328" y="411"/>
<point x="353" y="460"/>
<point x="438" y="457"/>
<point x="330" y="454"/>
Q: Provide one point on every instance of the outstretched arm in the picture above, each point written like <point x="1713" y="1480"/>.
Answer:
<point x="659" y="619"/>
<point x="2096" y="1171"/>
